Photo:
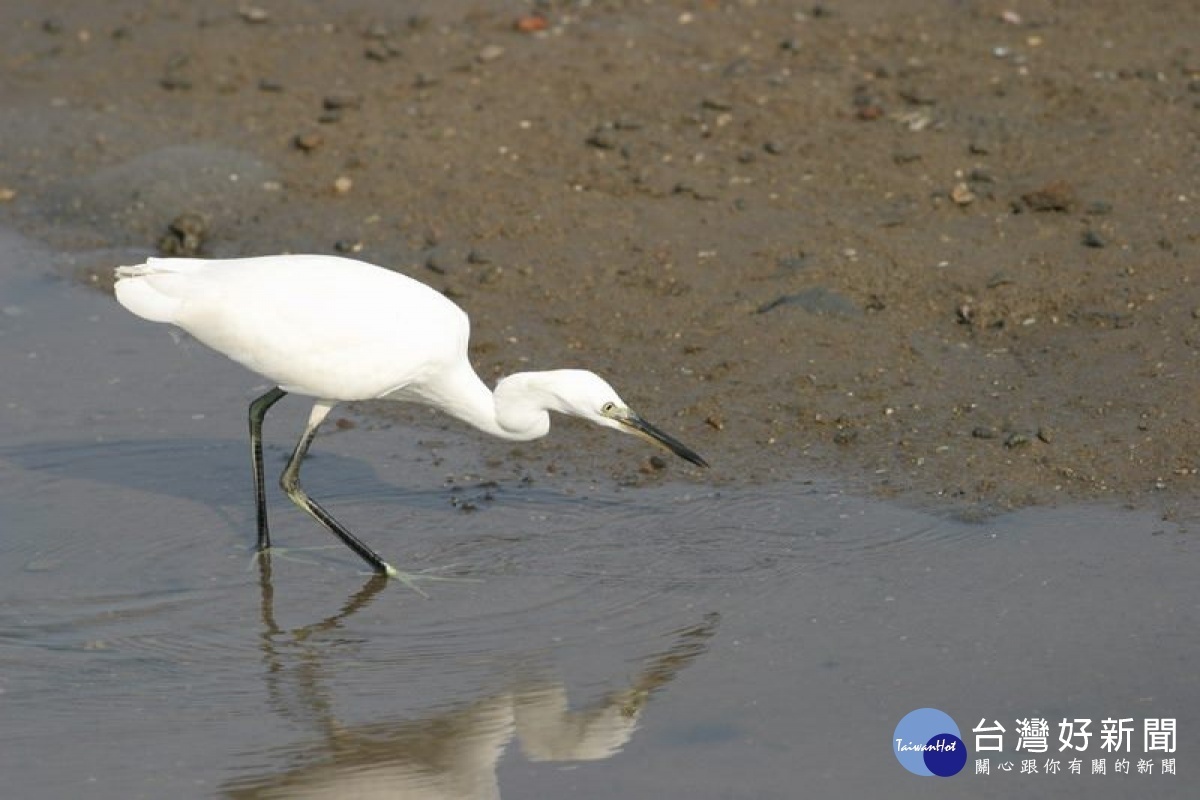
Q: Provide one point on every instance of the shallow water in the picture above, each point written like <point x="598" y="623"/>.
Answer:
<point x="678" y="641"/>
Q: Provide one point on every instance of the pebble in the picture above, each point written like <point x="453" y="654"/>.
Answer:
<point x="343" y="184"/>
<point x="307" y="141"/>
<point x="985" y="432"/>
<point x="1092" y="239"/>
<point x="7" y="194"/>
<point x="845" y="436"/>
<point x="490" y="53"/>
<point x="962" y="194"/>
<point x="341" y="100"/>
<point x="1054" y="196"/>
<point x="917" y="96"/>
<point x="254" y="14"/>
<point x="654" y="463"/>
<point x="435" y="263"/>
<point x="184" y="236"/>
<point x="531" y="23"/>
<point x="1016" y="440"/>
<point x="603" y="139"/>
<point x="378" y="51"/>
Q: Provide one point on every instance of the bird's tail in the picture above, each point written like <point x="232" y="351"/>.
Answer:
<point x="147" y="289"/>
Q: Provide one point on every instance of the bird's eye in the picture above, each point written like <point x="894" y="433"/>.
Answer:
<point x="608" y="408"/>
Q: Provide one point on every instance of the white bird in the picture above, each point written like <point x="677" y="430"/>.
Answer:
<point x="338" y="329"/>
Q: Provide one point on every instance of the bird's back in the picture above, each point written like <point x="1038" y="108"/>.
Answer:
<point x="324" y="326"/>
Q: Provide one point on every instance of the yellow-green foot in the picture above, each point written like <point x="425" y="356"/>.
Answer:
<point x="410" y="579"/>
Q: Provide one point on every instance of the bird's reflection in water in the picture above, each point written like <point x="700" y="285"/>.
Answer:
<point x="451" y="754"/>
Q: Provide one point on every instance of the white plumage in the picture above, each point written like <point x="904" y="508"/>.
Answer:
<point x="338" y="329"/>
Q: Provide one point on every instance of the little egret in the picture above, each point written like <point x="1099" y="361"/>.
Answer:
<point x="337" y="329"/>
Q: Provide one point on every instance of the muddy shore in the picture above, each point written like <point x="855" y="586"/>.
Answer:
<point x="945" y="252"/>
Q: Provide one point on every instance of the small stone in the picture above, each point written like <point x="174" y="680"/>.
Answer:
<point x="7" y="195"/>
<point x="715" y="421"/>
<point x="377" y="51"/>
<point x="254" y="15"/>
<point x="845" y="436"/>
<point x="531" y="23"/>
<point x="490" y="53"/>
<point x="962" y="194"/>
<point x="269" y="85"/>
<point x="1045" y="434"/>
<point x="341" y="100"/>
<point x="184" y="236"/>
<point x="173" y="81"/>
<point x="985" y="432"/>
<point x="308" y="141"/>
<point x="1016" y="440"/>
<point x="434" y="263"/>
<point x="1092" y="239"/>
<point x="1054" y="196"/>
<point x="345" y="424"/>
<point x="773" y="147"/>
<point x="917" y="96"/>
<point x="348" y="246"/>
<point x="869" y="111"/>
<point x="603" y="139"/>
<point x="343" y="184"/>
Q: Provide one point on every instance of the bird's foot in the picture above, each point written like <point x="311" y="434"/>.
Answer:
<point x="285" y="554"/>
<point x="411" y="579"/>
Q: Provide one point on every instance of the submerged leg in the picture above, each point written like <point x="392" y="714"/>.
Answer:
<point x="290" y="481"/>
<point x="258" y="410"/>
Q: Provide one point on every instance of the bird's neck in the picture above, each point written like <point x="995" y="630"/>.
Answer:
<point x="518" y="410"/>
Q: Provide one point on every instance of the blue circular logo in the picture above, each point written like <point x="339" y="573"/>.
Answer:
<point x="927" y="742"/>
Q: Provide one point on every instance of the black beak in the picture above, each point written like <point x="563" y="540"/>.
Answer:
<point x="647" y="431"/>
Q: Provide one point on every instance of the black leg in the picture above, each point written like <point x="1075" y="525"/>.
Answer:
<point x="290" y="481"/>
<point x="258" y="410"/>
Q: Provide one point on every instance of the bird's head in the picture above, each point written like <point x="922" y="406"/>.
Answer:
<point x="585" y="394"/>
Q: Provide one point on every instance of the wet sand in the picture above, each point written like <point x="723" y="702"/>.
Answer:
<point x="896" y="272"/>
